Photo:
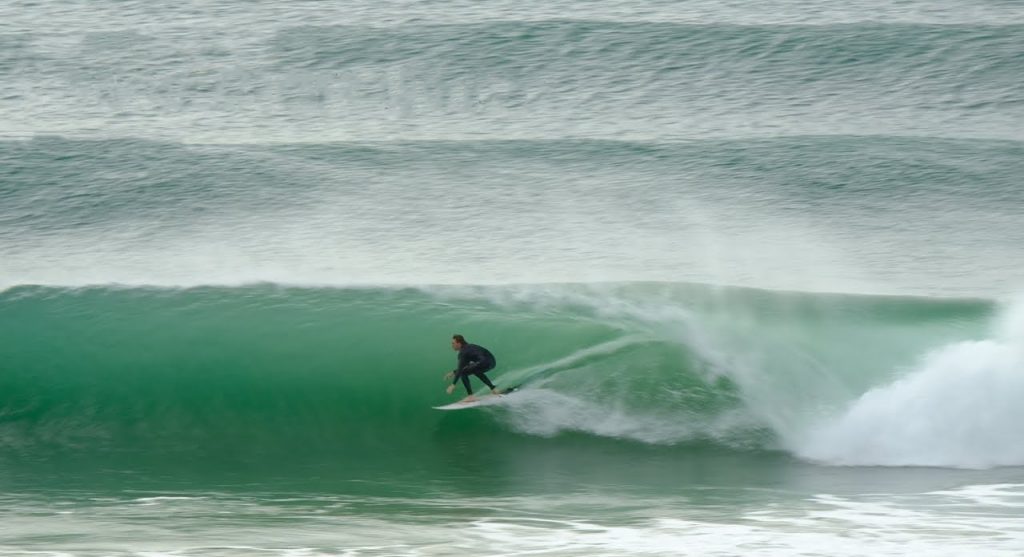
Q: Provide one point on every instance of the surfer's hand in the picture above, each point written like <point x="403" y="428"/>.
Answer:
<point x="450" y="389"/>
<point x="450" y="375"/>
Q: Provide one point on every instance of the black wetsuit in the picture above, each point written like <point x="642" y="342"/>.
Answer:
<point x="474" y="360"/>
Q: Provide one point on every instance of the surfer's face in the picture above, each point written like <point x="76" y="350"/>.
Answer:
<point x="456" y="345"/>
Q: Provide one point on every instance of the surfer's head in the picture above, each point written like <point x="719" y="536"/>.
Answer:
<point x="458" y="341"/>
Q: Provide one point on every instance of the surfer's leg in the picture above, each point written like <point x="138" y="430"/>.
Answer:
<point x="465" y="381"/>
<point x="486" y="381"/>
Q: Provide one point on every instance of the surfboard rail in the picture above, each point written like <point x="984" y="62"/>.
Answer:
<point x="483" y="400"/>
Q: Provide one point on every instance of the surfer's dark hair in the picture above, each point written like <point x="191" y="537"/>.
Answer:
<point x="459" y="339"/>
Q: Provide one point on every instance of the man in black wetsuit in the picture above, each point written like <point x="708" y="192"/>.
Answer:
<point x="473" y="360"/>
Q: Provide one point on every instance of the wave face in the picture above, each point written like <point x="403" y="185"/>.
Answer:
<point x="269" y="373"/>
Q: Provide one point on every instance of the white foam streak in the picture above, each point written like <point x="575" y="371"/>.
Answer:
<point x="546" y="413"/>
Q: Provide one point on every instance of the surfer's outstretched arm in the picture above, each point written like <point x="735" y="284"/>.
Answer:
<point x="463" y="371"/>
<point x="464" y="376"/>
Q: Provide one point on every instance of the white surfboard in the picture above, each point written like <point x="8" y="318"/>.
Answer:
<point x="484" y="400"/>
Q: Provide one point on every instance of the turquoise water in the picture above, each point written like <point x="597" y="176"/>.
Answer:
<point x="757" y="269"/>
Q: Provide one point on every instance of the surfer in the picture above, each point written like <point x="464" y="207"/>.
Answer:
<point x="473" y="360"/>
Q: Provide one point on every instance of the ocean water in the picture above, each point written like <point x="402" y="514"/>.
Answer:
<point x="759" y="269"/>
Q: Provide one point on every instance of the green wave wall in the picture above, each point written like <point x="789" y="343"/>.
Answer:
<point x="258" y="369"/>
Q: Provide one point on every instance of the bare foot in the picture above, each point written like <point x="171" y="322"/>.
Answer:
<point x="469" y="398"/>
